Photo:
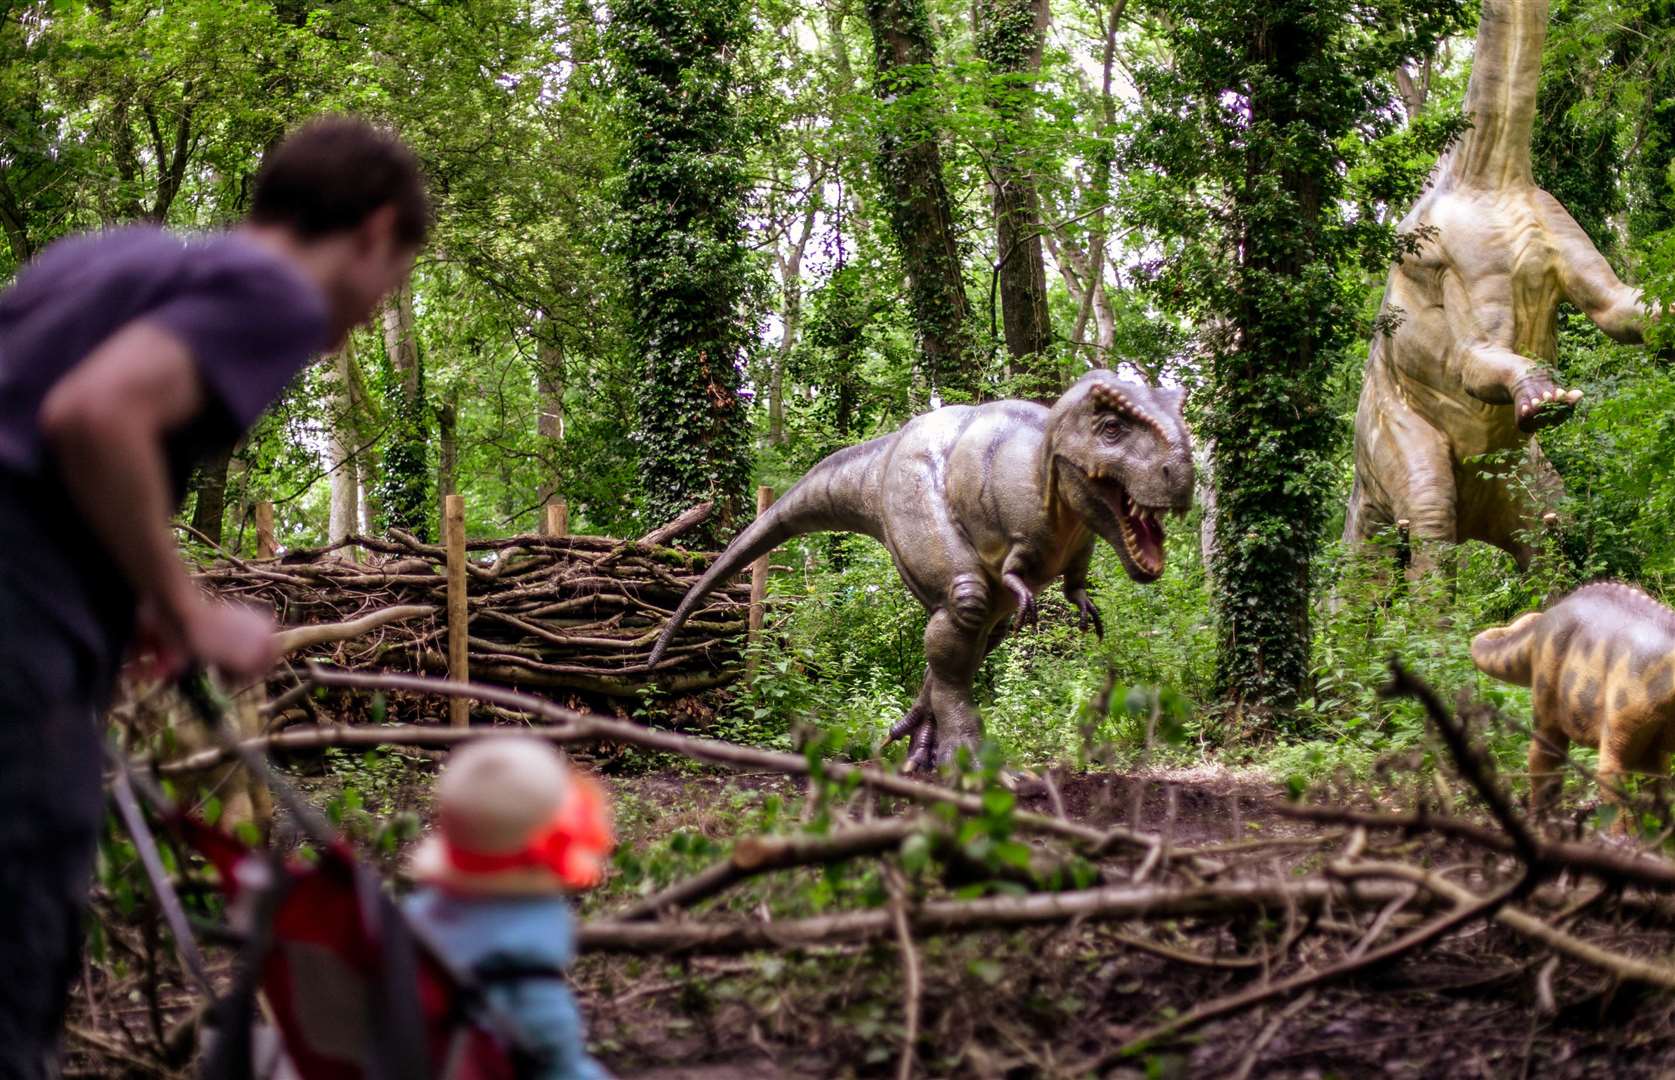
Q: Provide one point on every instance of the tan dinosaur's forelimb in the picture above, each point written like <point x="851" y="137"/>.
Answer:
<point x="1465" y="371"/>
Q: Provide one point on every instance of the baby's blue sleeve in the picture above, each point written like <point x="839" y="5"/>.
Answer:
<point x="551" y="1025"/>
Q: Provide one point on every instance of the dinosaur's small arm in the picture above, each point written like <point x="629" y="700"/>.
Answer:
<point x="981" y="507"/>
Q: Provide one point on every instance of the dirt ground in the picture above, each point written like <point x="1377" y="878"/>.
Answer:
<point x="1045" y="1002"/>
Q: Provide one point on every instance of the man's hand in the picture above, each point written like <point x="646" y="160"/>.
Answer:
<point x="236" y="639"/>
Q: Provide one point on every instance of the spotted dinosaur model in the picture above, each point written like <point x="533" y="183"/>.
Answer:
<point x="1601" y="664"/>
<point x="1460" y="368"/>
<point x="981" y="507"/>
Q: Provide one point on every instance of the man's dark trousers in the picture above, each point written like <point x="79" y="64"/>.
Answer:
<point x="50" y="811"/>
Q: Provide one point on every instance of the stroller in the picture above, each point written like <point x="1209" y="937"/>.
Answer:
<point x="353" y="990"/>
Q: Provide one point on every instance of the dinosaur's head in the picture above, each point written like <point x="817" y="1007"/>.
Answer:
<point x="1119" y="456"/>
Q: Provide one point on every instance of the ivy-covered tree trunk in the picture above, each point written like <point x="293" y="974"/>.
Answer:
<point x="915" y="197"/>
<point x="1270" y="425"/>
<point x="1256" y="116"/>
<point x="404" y="489"/>
<point x="1010" y="34"/>
<point x="683" y="249"/>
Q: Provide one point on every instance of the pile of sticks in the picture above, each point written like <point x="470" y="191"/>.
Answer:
<point x="546" y="613"/>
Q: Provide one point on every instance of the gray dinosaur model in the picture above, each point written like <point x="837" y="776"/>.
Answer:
<point x="981" y="507"/>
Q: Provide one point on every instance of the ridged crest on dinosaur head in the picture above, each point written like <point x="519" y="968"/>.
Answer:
<point x="1119" y="455"/>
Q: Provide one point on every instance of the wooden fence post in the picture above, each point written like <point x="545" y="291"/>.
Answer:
<point x="558" y="518"/>
<point x="758" y="584"/>
<point x="266" y="544"/>
<point x="453" y="532"/>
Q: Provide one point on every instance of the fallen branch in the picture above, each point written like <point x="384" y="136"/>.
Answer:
<point x="754" y="855"/>
<point x="576" y="726"/>
<point x="689" y="519"/>
<point x="306" y="637"/>
<point x="964" y="916"/>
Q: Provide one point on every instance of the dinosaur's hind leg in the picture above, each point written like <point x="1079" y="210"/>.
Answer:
<point x="919" y="722"/>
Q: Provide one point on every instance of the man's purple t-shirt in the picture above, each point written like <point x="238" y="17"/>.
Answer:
<point x="251" y="321"/>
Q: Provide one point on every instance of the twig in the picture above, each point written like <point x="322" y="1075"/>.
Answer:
<point x="1250" y="998"/>
<point x="1470" y="763"/>
<point x="1608" y="864"/>
<point x="754" y="855"/>
<point x="1266" y="1036"/>
<point x="1623" y="967"/>
<point x="911" y="984"/>
<point x="1185" y="956"/>
<point x="122" y="793"/>
<point x="110" y="1049"/>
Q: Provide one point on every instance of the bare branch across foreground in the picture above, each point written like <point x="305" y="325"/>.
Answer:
<point x="571" y="726"/>
<point x="955" y="916"/>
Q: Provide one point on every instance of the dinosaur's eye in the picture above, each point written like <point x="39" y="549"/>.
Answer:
<point x="1111" y="429"/>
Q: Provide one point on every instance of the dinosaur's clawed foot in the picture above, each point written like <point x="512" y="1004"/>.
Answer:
<point x="1540" y="402"/>
<point x="921" y="749"/>
<point x="1088" y="614"/>
<point x="920" y="725"/>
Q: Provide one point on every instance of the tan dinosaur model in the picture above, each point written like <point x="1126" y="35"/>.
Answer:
<point x="1601" y="663"/>
<point x="1463" y="373"/>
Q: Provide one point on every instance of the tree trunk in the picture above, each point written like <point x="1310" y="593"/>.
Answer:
<point x="447" y="445"/>
<point x="1010" y="34"/>
<point x="405" y="491"/>
<point x="13" y="224"/>
<point x="684" y="250"/>
<point x="368" y="461"/>
<point x="341" y="441"/>
<point x="400" y="343"/>
<point x="549" y="423"/>
<point x="791" y="288"/>
<point x="920" y="213"/>
<point x="211" y="488"/>
<point x="1267" y="524"/>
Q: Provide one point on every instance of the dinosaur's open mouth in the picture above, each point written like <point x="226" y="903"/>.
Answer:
<point x="1141" y="529"/>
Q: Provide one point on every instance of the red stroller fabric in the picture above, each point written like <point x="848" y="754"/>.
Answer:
<point x="341" y="967"/>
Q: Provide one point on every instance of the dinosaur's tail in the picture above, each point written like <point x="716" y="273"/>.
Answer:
<point x="1508" y="652"/>
<point x="831" y="497"/>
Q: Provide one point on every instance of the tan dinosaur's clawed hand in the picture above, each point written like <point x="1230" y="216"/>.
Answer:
<point x="1464" y="370"/>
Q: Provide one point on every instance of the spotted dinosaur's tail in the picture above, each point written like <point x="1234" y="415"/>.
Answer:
<point x="1508" y="652"/>
<point x="834" y="496"/>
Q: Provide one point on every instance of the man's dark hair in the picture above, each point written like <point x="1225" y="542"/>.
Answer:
<point x="329" y="174"/>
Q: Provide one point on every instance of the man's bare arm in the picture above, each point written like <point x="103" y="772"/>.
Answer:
<point x="106" y="423"/>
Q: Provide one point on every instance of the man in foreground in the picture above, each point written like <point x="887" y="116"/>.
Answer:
<point x="126" y="359"/>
